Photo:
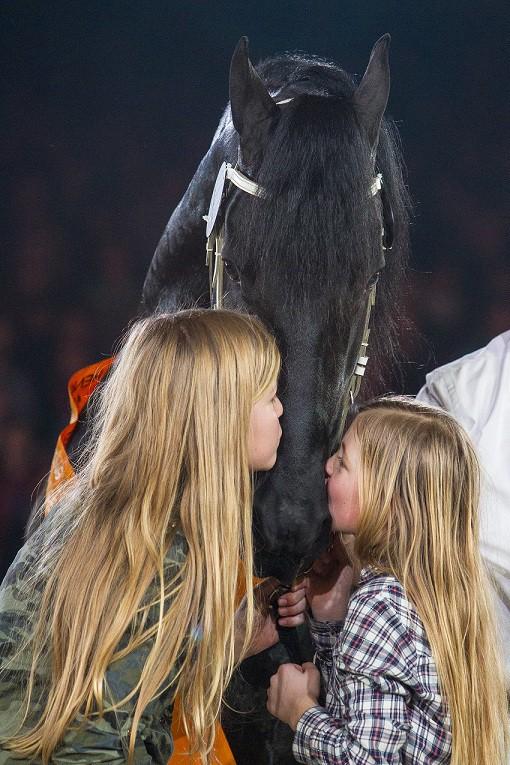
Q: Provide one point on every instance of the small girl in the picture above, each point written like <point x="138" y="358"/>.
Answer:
<point x="410" y="663"/>
<point x="126" y="594"/>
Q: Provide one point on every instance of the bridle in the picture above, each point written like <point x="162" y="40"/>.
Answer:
<point x="231" y="175"/>
<point x="215" y="233"/>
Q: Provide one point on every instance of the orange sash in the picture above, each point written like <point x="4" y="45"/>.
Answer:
<point x="80" y="387"/>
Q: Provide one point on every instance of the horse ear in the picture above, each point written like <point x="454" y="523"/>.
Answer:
<point x="253" y="110"/>
<point x="371" y="95"/>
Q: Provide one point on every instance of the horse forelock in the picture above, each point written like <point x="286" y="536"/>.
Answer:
<point x="304" y="73"/>
<point x="316" y="171"/>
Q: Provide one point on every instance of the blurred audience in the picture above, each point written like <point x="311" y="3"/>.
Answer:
<point x="78" y="211"/>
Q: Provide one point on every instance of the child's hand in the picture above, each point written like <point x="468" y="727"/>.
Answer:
<point x="330" y="582"/>
<point x="293" y="690"/>
<point x="291" y="612"/>
<point x="292" y="605"/>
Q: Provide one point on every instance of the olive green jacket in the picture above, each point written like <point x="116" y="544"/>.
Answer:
<point x="101" y="739"/>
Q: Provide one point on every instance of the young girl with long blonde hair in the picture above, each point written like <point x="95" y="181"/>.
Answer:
<point x="126" y="594"/>
<point x="410" y="660"/>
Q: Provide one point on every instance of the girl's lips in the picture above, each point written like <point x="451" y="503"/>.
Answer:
<point x="326" y="485"/>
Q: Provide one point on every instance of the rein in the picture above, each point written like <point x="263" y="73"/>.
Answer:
<point x="214" y="260"/>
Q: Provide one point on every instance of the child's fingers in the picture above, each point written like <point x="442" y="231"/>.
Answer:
<point x="297" y="608"/>
<point x="293" y="597"/>
<point x="291" y="621"/>
<point x="313" y="674"/>
<point x="291" y="616"/>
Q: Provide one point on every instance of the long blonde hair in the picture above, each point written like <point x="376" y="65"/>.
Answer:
<point x="168" y="453"/>
<point x="419" y="493"/>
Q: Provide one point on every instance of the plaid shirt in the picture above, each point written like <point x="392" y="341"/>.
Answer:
<point x="383" y="703"/>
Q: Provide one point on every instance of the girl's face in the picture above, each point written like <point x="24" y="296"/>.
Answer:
<point x="265" y="431"/>
<point x="342" y="472"/>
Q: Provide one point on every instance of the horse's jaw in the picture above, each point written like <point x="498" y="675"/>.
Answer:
<point x="291" y="524"/>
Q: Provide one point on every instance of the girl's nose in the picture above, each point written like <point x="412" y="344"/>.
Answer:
<point x="329" y="466"/>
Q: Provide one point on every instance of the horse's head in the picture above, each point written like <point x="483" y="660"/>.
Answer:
<point x="303" y="255"/>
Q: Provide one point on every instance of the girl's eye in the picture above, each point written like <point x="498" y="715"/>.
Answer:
<point x="339" y="459"/>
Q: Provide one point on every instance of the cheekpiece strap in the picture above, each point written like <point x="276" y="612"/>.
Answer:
<point x="376" y="185"/>
<point x="361" y="364"/>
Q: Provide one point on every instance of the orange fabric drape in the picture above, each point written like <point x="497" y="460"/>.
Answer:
<point x="80" y="387"/>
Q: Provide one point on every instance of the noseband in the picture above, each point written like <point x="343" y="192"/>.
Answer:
<point x="214" y="260"/>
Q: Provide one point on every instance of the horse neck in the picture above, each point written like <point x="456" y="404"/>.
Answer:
<point x="182" y="243"/>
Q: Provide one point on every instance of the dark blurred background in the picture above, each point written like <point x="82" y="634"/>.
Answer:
<point x="108" y="108"/>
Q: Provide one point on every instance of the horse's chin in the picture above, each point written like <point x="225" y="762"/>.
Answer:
<point x="288" y="565"/>
<point x="284" y="568"/>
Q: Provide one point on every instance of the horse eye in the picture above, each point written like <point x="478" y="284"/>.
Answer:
<point x="232" y="271"/>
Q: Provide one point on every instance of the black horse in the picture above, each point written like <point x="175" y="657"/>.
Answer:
<point x="302" y="257"/>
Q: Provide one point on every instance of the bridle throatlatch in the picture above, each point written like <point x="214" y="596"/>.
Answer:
<point x="214" y="259"/>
